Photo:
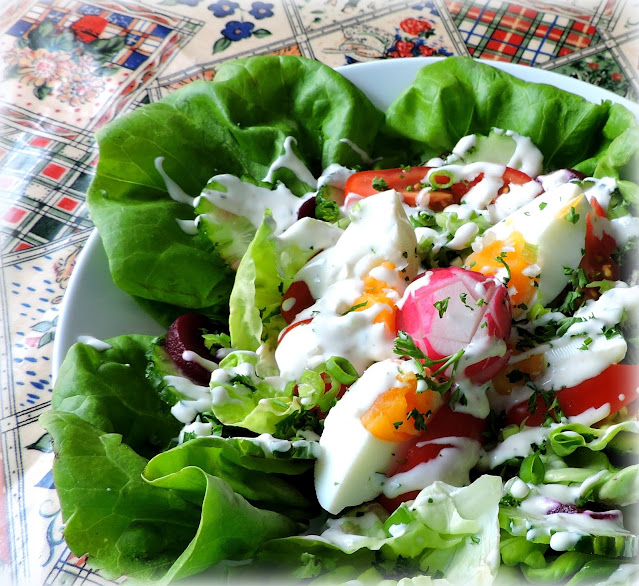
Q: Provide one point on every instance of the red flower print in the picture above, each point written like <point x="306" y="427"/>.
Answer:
<point x="393" y="54"/>
<point x="426" y="51"/>
<point x="616" y="76"/>
<point x="404" y="48"/>
<point x="593" y="66"/>
<point x="88" y="28"/>
<point x="414" y="26"/>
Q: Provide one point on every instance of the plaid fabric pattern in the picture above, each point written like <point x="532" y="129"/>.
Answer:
<point x="46" y="165"/>
<point x="43" y="181"/>
<point x="511" y="32"/>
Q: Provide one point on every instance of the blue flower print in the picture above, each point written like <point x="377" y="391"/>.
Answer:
<point x="223" y="8"/>
<point x="261" y="10"/>
<point x="236" y="30"/>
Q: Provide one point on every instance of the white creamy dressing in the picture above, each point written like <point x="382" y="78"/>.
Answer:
<point x="584" y="351"/>
<point x="350" y="534"/>
<point x="190" y="356"/>
<point x="623" y="229"/>
<point x="289" y="160"/>
<point x="251" y="201"/>
<point x="520" y="444"/>
<point x="199" y="398"/>
<point x="366" y="158"/>
<point x="452" y="466"/>
<point x="308" y="234"/>
<point x="197" y="428"/>
<point x="271" y="445"/>
<point x="564" y="529"/>
<point x="189" y="227"/>
<point x="175" y="191"/>
<point x="476" y="400"/>
<point x="601" y="190"/>
<point x="99" y="345"/>
<point x="527" y="157"/>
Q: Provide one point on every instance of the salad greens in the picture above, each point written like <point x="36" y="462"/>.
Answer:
<point x="143" y="506"/>
<point x="236" y="125"/>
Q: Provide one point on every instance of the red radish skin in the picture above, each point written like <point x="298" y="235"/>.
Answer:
<point x="446" y="309"/>
<point x="185" y="333"/>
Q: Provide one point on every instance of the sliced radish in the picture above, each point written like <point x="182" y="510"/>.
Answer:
<point x="448" y="309"/>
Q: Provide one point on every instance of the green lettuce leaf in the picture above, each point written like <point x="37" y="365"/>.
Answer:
<point x="252" y="402"/>
<point x="125" y="525"/>
<point x="167" y="524"/>
<point x="266" y="479"/>
<point x="109" y="389"/>
<point x="230" y="528"/>
<point x="255" y="300"/>
<point x="459" y="96"/>
<point x="565" y="439"/>
<point x="447" y="531"/>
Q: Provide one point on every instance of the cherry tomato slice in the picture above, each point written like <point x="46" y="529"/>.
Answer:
<point x="617" y="385"/>
<point x="598" y="263"/>
<point x="287" y="329"/>
<point x="409" y="181"/>
<point x="297" y="298"/>
<point x="444" y="423"/>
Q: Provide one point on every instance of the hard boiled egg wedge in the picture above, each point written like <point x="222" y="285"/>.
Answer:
<point x="364" y="430"/>
<point x="531" y="249"/>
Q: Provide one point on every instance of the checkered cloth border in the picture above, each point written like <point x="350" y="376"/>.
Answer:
<point x="511" y="32"/>
<point x="44" y="181"/>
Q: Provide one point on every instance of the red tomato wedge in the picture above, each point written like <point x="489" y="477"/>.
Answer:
<point x="410" y="180"/>
<point x="617" y="385"/>
<point x="598" y="263"/>
<point x="445" y="423"/>
<point x="287" y="329"/>
<point x="297" y="298"/>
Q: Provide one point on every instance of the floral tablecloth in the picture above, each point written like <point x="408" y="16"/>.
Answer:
<point x="69" y="66"/>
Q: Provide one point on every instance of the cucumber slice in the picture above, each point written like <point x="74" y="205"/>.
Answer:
<point x="624" y="444"/>
<point x="159" y="365"/>
<point x="229" y="234"/>
<point x="494" y="148"/>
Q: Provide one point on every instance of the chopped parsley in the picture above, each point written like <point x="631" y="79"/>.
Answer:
<point x="419" y="419"/>
<point x="463" y="297"/>
<point x="572" y="216"/>
<point x="405" y="346"/>
<point x="501" y="259"/>
<point x="356" y="307"/>
<point x="586" y="343"/>
<point x="441" y="306"/>
<point x="379" y="184"/>
<point x="326" y="209"/>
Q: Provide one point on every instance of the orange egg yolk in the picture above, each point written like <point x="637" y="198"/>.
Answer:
<point x="533" y="366"/>
<point x="401" y="412"/>
<point x="513" y="253"/>
<point x="376" y="291"/>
